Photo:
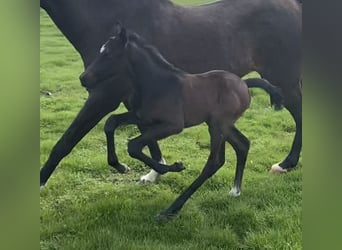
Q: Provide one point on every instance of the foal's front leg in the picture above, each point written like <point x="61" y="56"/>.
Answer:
<point x="115" y="121"/>
<point x="155" y="133"/>
<point x="112" y="123"/>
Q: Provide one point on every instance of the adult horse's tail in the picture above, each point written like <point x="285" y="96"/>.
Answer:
<point x="276" y="96"/>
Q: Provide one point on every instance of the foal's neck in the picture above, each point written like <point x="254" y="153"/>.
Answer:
<point x="149" y="73"/>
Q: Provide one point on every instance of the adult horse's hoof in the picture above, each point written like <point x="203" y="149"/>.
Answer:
<point x="235" y="192"/>
<point x="164" y="216"/>
<point x="121" y="168"/>
<point x="151" y="177"/>
<point x="276" y="169"/>
<point x="42" y="186"/>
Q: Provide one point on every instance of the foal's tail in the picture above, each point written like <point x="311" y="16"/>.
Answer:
<point x="276" y="96"/>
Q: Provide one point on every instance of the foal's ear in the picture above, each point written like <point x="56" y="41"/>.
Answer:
<point x="121" y="33"/>
<point x="123" y="37"/>
<point x="117" y="28"/>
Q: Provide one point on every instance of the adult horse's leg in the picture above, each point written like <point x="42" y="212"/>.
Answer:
<point x="94" y="109"/>
<point x="214" y="163"/>
<point x="241" y="146"/>
<point x="156" y="154"/>
<point x="290" y="84"/>
<point x="293" y="103"/>
<point x="112" y="123"/>
<point x="153" y="175"/>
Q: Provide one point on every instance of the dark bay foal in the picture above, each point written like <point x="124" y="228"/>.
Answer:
<point x="166" y="100"/>
<point x="238" y="36"/>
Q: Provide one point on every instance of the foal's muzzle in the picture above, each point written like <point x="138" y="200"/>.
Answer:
<point x="87" y="80"/>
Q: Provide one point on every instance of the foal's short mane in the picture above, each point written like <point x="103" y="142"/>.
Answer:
<point x="153" y="52"/>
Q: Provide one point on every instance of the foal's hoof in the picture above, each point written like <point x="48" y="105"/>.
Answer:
<point x="235" y="192"/>
<point x="177" y="167"/>
<point x="276" y="169"/>
<point x="164" y="216"/>
<point x="121" y="168"/>
<point x="42" y="186"/>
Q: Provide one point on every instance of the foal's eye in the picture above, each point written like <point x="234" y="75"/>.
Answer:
<point x="108" y="54"/>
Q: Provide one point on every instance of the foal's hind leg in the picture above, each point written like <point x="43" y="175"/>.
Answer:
<point x="241" y="146"/>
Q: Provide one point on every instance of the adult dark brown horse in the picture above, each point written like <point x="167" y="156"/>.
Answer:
<point x="165" y="100"/>
<point x="238" y="36"/>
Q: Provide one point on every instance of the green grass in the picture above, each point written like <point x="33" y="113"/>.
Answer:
<point x="86" y="206"/>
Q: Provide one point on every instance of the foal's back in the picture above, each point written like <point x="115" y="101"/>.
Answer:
<point x="212" y="95"/>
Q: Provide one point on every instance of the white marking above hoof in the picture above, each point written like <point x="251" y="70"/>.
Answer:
<point x="127" y="169"/>
<point x="276" y="169"/>
<point x="235" y="192"/>
<point x="42" y="187"/>
<point x="152" y="176"/>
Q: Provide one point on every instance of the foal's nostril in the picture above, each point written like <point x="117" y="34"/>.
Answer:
<point x="83" y="78"/>
<point x="88" y="79"/>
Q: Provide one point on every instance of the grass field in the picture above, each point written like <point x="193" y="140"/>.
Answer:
<point x="86" y="206"/>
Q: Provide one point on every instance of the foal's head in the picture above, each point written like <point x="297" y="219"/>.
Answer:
<point x="124" y="53"/>
<point x="110" y="61"/>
